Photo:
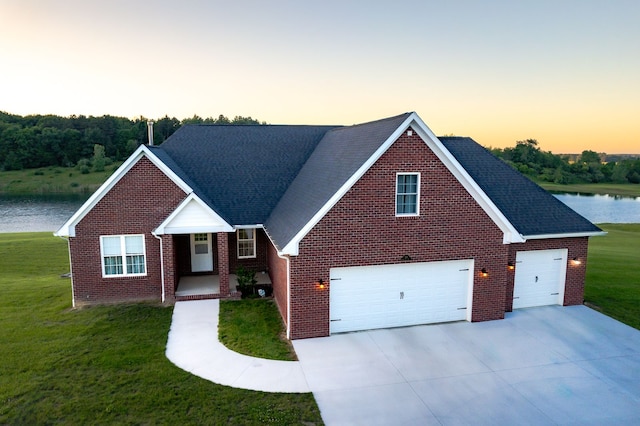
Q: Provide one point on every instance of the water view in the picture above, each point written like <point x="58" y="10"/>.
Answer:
<point x="36" y="213"/>
<point x="48" y="213"/>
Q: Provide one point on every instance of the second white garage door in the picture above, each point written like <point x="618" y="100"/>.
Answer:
<point x="368" y="297"/>
<point x="540" y="278"/>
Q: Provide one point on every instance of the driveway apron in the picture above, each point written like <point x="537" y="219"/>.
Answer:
<point x="538" y="366"/>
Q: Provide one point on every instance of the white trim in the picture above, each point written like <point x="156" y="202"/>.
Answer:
<point x="123" y="255"/>
<point x="417" y="213"/>
<point x="570" y="235"/>
<point x="161" y="266"/>
<point x="288" y="261"/>
<point x="68" y="228"/>
<point x="254" y="233"/>
<point x="222" y="226"/>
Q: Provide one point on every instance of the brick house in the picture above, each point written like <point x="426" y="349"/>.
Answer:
<point x="375" y="225"/>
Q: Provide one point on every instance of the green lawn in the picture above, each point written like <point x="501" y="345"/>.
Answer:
<point x="613" y="273"/>
<point x="623" y="189"/>
<point x="52" y="180"/>
<point x="104" y="365"/>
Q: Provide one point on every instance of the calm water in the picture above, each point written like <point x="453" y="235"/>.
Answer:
<point x="31" y="214"/>
<point x="604" y="208"/>
<point x="36" y="213"/>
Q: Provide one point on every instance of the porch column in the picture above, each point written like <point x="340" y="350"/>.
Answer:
<point x="223" y="263"/>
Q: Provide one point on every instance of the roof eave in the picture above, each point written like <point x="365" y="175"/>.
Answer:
<point x="565" y="235"/>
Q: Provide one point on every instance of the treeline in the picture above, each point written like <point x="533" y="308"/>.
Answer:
<point x="48" y="140"/>
<point x="588" y="167"/>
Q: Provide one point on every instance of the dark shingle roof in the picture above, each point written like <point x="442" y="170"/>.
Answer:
<point x="240" y="171"/>
<point x="337" y="157"/>
<point x="529" y="208"/>
<point x="281" y="176"/>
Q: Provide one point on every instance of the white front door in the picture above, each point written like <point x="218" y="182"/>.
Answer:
<point x="201" y="255"/>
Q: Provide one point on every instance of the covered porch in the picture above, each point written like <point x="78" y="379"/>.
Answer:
<point x="199" y="287"/>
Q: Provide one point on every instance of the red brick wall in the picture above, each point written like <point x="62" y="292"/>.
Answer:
<point x="278" y="275"/>
<point x="130" y="207"/>
<point x="362" y="229"/>
<point x="574" y="284"/>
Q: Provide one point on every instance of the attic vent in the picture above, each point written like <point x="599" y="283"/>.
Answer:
<point x="409" y="132"/>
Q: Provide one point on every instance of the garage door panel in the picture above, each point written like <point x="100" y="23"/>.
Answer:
<point x="398" y="295"/>
<point x="539" y="278"/>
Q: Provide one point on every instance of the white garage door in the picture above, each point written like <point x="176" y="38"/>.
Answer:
<point x="539" y="278"/>
<point x="368" y="297"/>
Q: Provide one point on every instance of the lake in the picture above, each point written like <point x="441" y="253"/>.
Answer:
<point x="48" y="213"/>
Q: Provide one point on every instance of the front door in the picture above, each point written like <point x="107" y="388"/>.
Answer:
<point x="201" y="256"/>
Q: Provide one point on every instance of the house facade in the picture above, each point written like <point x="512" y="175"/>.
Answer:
<point x="355" y="227"/>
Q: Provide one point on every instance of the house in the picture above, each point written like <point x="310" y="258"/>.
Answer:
<point x="375" y="225"/>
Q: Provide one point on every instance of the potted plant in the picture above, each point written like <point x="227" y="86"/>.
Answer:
<point x="246" y="281"/>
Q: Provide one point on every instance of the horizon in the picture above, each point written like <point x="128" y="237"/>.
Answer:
<point x="564" y="73"/>
<point x="155" y="120"/>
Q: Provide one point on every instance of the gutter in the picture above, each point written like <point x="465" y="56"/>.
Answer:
<point x="288" y="260"/>
<point x="570" y="235"/>
<point x="73" y="296"/>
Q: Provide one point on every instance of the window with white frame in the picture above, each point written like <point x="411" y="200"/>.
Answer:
<point x="123" y="255"/>
<point x="407" y="194"/>
<point x="246" y="243"/>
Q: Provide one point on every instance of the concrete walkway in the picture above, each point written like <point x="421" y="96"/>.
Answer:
<point x="193" y="345"/>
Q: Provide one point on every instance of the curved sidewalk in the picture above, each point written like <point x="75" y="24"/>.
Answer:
<point x="193" y="345"/>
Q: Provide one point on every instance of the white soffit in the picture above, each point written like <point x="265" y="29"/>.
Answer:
<point x="193" y="216"/>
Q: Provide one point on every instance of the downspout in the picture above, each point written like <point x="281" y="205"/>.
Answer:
<point x="288" y="293"/>
<point x="161" y="264"/>
<point x="73" y="296"/>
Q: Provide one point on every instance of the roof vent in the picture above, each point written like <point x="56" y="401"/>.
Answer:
<point x="150" y="131"/>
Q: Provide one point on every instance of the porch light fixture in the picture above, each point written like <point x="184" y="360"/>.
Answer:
<point x="576" y="261"/>
<point x="320" y="284"/>
<point x="511" y="266"/>
<point x="484" y="272"/>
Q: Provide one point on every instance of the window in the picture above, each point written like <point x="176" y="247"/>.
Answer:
<point x="246" y="243"/>
<point x="407" y="194"/>
<point x="123" y="255"/>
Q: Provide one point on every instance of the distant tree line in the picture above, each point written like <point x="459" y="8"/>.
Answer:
<point x="588" y="167"/>
<point x="34" y="141"/>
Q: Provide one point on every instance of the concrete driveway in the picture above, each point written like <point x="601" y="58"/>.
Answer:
<point x="539" y="366"/>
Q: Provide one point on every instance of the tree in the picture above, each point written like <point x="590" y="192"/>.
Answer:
<point x="99" y="160"/>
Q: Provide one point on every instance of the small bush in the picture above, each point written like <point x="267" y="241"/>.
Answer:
<point x="38" y="173"/>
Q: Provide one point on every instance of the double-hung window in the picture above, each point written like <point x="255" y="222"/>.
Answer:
<point x="246" y="243"/>
<point x="407" y="194"/>
<point x="123" y="255"/>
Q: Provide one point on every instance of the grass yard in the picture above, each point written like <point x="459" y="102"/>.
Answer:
<point x="613" y="273"/>
<point x="52" y="180"/>
<point x="247" y="326"/>
<point x="104" y="365"/>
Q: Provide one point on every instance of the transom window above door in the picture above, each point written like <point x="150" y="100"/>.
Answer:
<point x="407" y="194"/>
<point x="246" y="238"/>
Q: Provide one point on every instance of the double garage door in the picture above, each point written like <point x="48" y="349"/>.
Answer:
<point x="368" y="297"/>
<point x="539" y="278"/>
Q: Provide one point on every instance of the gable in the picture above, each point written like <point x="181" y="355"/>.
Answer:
<point x="68" y="228"/>
<point x="193" y="216"/>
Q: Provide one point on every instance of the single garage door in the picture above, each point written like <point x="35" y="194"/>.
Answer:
<point x="368" y="297"/>
<point x="539" y="278"/>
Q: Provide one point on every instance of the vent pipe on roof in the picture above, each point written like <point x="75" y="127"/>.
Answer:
<point x="150" y="131"/>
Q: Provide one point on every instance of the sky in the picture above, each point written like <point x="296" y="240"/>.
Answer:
<point x="563" y="72"/>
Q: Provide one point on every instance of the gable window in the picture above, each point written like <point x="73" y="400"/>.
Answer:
<point x="407" y="194"/>
<point x="123" y="255"/>
<point x="246" y="243"/>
